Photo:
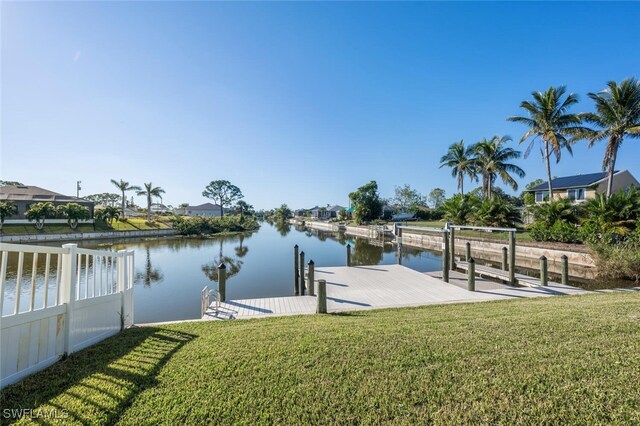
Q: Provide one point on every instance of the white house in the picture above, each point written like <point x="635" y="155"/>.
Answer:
<point x="206" y="209"/>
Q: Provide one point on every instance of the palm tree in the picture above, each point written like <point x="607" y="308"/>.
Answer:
<point x="549" y="120"/>
<point x="461" y="161"/>
<point x="124" y="187"/>
<point x="150" y="191"/>
<point x="617" y="116"/>
<point x="491" y="161"/>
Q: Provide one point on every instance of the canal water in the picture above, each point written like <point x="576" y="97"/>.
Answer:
<point x="171" y="272"/>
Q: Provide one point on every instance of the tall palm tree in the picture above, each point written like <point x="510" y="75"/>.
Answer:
<point x="491" y="161"/>
<point x="150" y="191"/>
<point x="549" y="120"/>
<point x="461" y="160"/>
<point x="617" y="116"/>
<point x="124" y="187"/>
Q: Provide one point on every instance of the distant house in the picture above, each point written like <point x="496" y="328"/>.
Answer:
<point x="328" y="212"/>
<point x="158" y="208"/>
<point x="580" y="188"/>
<point x="206" y="209"/>
<point x="23" y="196"/>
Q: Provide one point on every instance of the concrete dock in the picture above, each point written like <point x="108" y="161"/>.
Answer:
<point x="381" y="286"/>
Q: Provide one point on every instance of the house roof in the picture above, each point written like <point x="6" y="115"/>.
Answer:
<point x="335" y="208"/>
<point x="34" y="193"/>
<point x="205" y="206"/>
<point x="576" y="181"/>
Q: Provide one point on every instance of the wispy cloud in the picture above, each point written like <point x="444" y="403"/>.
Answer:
<point x="76" y="57"/>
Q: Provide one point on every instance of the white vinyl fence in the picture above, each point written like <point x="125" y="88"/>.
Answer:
<point x="68" y="299"/>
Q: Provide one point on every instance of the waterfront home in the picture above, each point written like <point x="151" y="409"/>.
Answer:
<point x="23" y="196"/>
<point x="206" y="209"/>
<point x="580" y="188"/>
<point x="328" y="212"/>
<point x="158" y="208"/>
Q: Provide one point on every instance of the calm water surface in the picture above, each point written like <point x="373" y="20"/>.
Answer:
<point x="171" y="273"/>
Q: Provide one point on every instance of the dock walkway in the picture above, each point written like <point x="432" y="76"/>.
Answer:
<point x="380" y="286"/>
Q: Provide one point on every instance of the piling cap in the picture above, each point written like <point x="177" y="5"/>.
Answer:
<point x="471" y="260"/>
<point x="543" y="257"/>
<point x="349" y="245"/>
<point x="222" y="266"/>
<point x="311" y="262"/>
<point x="296" y="246"/>
<point x="302" y="253"/>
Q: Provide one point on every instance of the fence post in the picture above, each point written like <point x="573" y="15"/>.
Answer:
<point x="222" y="282"/>
<point x="565" y="269"/>
<point x="468" y="251"/>
<point x="452" y="248"/>
<point x="68" y="281"/>
<point x="471" y="275"/>
<point x="512" y="258"/>
<point x="310" y="278"/>
<point x="322" y="297"/>
<point x="295" y="271"/>
<point x="302" y="273"/>
<point x="544" y="277"/>
<point x="504" y="258"/>
<point x="121" y="284"/>
<point x="348" y="254"/>
<point x="445" y="256"/>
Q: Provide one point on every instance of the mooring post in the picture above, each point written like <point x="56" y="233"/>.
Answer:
<point x="296" y="277"/>
<point x="348" y="254"/>
<point x="310" y="278"/>
<point x="222" y="282"/>
<point x="512" y="258"/>
<point x="322" y="297"/>
<point x="468" y="251"/>
<point x="452" y="248"/>
<point x="445" y="256"/>
<point x="302" y="273"/>
<point x="399" y="242"/>
<point x="504" y="258"/>
<point x="471" y="275"/>
<point x="565" y="269"/>
<point x="544" y="277"/>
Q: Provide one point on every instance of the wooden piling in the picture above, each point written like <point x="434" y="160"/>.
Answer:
<point x="222" y="282"/>
<point x="452" y="248"/>
<point x="310" y="278"/>
<point x="445" y="257"/>
<point x="296" y="277"/>
<point x="468" y="251"/>
<point x="504" y="258"/>
<point x="302" y="273"/>
<point x="471" y="275"/>
<point x="348" y="254"/>
<point x="322" y="297"/>
<point x="565" y="269"/>
<point x="544" y="276"/>
<point x="399" y="243"/>
<point x="512" y="258"/>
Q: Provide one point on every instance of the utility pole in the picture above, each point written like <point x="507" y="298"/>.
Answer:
<point x="78" y="188"/>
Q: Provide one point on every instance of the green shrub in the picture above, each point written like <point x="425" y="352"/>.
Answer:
<point x="551" y="212"/>
<point x="213" y="225"/>
<point x="617" y="259"/>
<point x="612" y="218"/>
<point x="459" y="208"/>
<point x="495" y="212"/>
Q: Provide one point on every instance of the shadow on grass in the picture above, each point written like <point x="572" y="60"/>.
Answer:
<point x="99" y="382"/>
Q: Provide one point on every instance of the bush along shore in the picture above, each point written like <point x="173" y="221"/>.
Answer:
<point x="214" y="225"/>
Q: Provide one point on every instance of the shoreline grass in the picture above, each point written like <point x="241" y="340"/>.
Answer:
<point x="553" y="360"/>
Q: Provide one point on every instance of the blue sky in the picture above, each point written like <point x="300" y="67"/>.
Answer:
<point x="293" y="102"/>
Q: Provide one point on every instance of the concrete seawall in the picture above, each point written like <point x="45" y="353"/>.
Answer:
<point x="74" y="236"/>
<point x="580" y="264"/>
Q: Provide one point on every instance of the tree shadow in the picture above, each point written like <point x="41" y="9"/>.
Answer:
<point x="100" y="381"/>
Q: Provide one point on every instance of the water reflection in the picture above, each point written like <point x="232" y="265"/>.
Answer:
<point x="150" y="274"/>
<point x="233" y="265"/>
<point x="283" y="228"/>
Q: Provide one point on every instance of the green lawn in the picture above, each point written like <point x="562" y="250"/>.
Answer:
<point x="521" y="235"/>
<point x="562" y="360"/>
<point x="132" y="224"/>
